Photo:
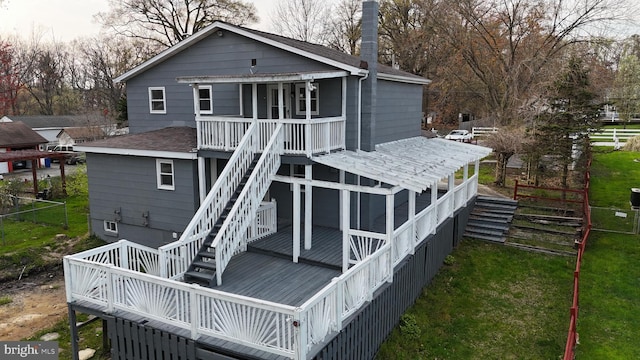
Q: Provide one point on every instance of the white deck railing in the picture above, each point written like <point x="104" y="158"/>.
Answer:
<point x="301" y="136"/>
<point x="178" y="255"/>
<point x="120" y="276"/>
<point x="231" y="238"/>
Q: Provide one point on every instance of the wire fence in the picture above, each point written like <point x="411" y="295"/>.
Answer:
<point x="15" y="209"/>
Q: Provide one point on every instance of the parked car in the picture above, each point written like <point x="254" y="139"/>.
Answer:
<point x="460" y="135"/>
<point x="20" y="164"/>
<point x="66" y="149"/>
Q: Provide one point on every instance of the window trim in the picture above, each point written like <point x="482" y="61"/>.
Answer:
<point x="107" y="228"/>
<point x="159" y="174"/>
<point x="152" y="100"/>
<point x="210" y="88"/>
<point x="317" y="98"/>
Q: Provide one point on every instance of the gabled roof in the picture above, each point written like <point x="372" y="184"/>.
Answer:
<point x="171" y="142"/>
<point x="17" y="134"/>
<point x="323" y="54"/>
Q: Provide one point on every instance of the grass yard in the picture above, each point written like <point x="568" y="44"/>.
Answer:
<point x="494" y="302"/>
<point x="609" y="317"/>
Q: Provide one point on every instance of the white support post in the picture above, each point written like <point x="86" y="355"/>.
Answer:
<point x="241" y="98"/>
<point x="296" y="221"/>
<point x="195" y="312"/>
<point x="280" y="101"/>
<point x="412" y="220"/>
<point x="346" y="217"/>
<point x="390" y="225"/>
<point x="308" y="202"/>
<point x="465" y="177"/>
<point x="342" y="180"/>
<point x="202" y="179"/>
<point x="307" y="128"/>
<point x="476" y="168"/>
<point x="196" y="107"/>
<point x="434" y="203"/>
<point x="254" y="101"/>
<point x="451" y="184"/>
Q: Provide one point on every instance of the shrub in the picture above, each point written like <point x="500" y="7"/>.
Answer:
<point x="409" y="326"/>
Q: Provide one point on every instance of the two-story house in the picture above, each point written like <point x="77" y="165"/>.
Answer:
<point x="276" y="198"/>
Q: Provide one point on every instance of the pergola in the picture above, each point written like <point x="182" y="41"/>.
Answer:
<point x="34" y="156"/>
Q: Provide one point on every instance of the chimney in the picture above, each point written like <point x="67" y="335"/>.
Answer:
<point x="369" y="54"/>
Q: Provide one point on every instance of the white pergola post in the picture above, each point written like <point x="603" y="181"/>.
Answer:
<point x="280" y="101"/>
<point x="342" y="180"/>
<point x="451" y="184"/>
<point x="296" y="221"/>
<point x="308" y="198"/>
<point x="412" y="219"/>
<point x="434" y="202"/>
<point x="307" y="128"/>
<point x="346" y="217"/>
<point x="202" y="179"/>
<point x="465" y="177"/>
<point x="390" y="224"/>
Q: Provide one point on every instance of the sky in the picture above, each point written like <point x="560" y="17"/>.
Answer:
<point x="65" y="20"/>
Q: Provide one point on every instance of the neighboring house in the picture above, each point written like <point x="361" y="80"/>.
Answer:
<point x="49" y="126"/>
<point x="79" y="135"/>
<point x="15" y="135"/>
<point x="296" y="214"/>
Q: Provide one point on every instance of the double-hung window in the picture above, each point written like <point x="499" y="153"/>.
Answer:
<point x="165" y="174"/>
<point x="301" y="99"/>
<point x="205" y="99"/>
<point x="157" y="100"/>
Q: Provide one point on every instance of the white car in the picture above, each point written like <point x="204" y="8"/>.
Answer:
<point x="460" y="135"/>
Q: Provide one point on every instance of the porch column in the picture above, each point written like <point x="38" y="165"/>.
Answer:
<point x="390" y="225"/>
<point x="345" y="213"/>
<point x="254" y="101"/>
<point x="434" y="202"/>
<point x="465" y="177"/>
<point x="308" y="198"/>
<point x="196" y="110"/>
<point x="412" y="219"/>
<point x="202" y="179"/>
<point x="307" y="128"/>
<point x="241" y="98"/>
<point x="280" y="101"/>
<point x="296" y="221"/>
<point x="342" y="180"/>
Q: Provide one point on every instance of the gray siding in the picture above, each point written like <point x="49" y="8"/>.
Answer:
<point x="399" y="111"/>
<point x="128" y="184"/>
<point x="227" y="55"/>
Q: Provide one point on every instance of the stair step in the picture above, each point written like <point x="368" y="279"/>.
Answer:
<point x="496" y="239"/>
<point x="491" y="215"/>
<point x="488" y="224"/>
<point x="481" y="208"/>
<point x="198" y="275"/>
<point x="496" y="206"/>
<point x="485" y="231"/>
<point x="207" y="254"/>
<point x="209" y="265"/>
<point x="496" y="200"/>
<point x="488" y="219"/>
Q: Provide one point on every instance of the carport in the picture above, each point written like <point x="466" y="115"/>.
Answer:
<point x="34" y="156"/>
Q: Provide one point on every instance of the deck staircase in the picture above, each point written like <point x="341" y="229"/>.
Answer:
<point x="491" y="218"/>
<point x="202" y="270"/>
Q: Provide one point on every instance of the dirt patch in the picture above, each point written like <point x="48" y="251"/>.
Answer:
<point x="38" y="302"/>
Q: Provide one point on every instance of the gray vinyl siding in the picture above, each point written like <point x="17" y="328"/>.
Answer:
<point x="128" y="184"/>
<point x="398" y="111"/>
<point x="230" y="54"/>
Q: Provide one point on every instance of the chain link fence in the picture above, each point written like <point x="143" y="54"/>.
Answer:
<point x="624" y="221"/>
<point x="15" y="209"/>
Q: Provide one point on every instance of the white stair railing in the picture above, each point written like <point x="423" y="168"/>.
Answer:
<point x="231" y="238"/>
<point x="177" y="256"/>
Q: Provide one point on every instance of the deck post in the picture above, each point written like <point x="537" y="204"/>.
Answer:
<point x="346" y="217"/>
<point x="296" y="221"/>
<point x="342" y="180"/>
<point x="434" y="203"/>
<point x="412" y="218"/>
<point x="452" y="199"/>
<point x="74" y="332"/>
<point x="390" y="225"/>
<point x="202" y="179"/>
<point x="465" y="177"/>
<point x="308" y="198"/>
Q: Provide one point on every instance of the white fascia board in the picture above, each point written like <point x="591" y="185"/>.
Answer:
<point x="403" y="79"/>
<point x="137" y="152"/>
<point x="263" y="78"/>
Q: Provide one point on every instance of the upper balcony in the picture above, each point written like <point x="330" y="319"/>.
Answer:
<point x="311" y="106"/>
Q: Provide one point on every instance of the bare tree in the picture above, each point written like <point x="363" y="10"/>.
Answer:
<point x="166" y="22"/>
<point x="306" y="20"/>
<point x="505" y="143"/>
<point x="345" y="28"/>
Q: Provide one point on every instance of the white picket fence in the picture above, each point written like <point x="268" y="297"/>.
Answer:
<point x="607" y="137"/>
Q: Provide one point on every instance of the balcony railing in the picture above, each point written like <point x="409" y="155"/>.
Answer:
<point x="125" y="276"/>
<point x="301" y="136"/>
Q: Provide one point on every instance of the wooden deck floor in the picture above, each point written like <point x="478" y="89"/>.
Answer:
<point x="267" y="271"/>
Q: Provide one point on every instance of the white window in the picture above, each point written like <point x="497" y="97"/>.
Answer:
<point x="301" y="99"/>
<point x="157" y="100"/>
<point x="110" y="227"/>
<point x="205" y="99"/>
<point x="164" y="169"/>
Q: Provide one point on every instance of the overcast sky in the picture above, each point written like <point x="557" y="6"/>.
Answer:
<point x="65" y="20"/>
